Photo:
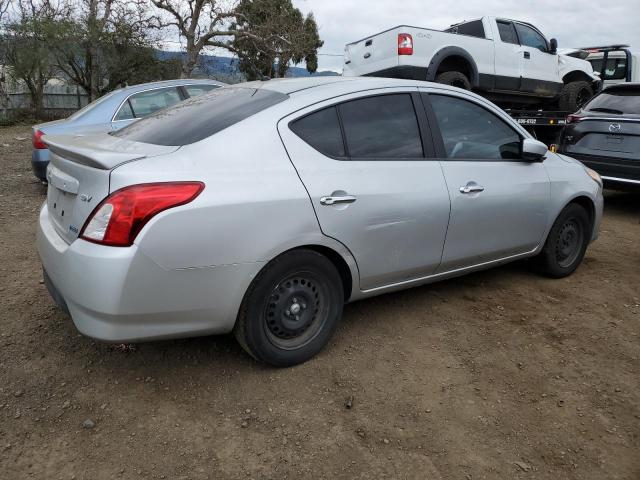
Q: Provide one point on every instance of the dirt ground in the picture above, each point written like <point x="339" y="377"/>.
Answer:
<point x="498" y="375"/>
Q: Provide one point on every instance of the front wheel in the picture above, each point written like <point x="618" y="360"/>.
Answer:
<point x="291" y="309"/>
<point x="567" y="242"/>
<point x="574" y="96"/>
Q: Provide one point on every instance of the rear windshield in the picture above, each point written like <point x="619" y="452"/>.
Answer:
<point x="617" y="102"/>
<point x="200" y="117"/>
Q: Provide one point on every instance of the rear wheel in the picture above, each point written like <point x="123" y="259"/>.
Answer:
<point x="575" y="95"/>
<point x="567" y="242"/>
<point x="455" y="79"/>
<point x="291" y="309"/>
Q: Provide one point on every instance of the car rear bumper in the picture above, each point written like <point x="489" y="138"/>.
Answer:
<point x="119" y="294"/>
<point x="39" y="162"/>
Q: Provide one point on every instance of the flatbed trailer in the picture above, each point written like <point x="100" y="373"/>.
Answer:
<point x="544" y="125"/>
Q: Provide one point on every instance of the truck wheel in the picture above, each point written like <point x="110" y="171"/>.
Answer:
<point x="455" y="79"/>
<point x="291" y="309"/>
<point x="574" y="96"/>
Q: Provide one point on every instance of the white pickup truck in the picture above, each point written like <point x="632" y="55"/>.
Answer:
<point x="509" y="61"/>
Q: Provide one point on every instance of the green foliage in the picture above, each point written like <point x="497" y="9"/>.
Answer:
<point x="271" y="34"/>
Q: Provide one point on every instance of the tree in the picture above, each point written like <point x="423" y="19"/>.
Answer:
<point x="104" y="43"/>
<point x="202" y="23"/>
<point x="27" y="49"/>
<point x="271" y="34"/>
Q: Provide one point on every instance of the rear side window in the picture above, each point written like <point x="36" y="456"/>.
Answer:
<point x="321" y="130"/>
<point x="146" y="103"/>
<point x="125" y="112"/>
<point x="616" y="101"/>
<point x="384" y="126"/>
<point x="616" y="68"/>
<point x="200" y="117"/>
<point x="474" y="29"/>
<point x="471" y="132"/>
<point x="507" y="32"/>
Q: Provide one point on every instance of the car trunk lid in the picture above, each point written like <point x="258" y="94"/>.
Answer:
<point x="78" y="175"/>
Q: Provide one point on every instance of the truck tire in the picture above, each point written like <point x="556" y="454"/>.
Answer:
<point x="574" y="95"/>
<point x="455" y="79"/>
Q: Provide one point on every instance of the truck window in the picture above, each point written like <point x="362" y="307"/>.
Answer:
<point x="529" y="37"/>
<point x="507" y="32"/>
<point x="473" y="29"/>
<point x="616" y="68"/>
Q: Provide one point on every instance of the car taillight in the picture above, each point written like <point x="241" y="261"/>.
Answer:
<point x="405" y="44"/>
<point x="573" y="118"/>
<point x="118" y="219"/>
<point x="38" y="144"/>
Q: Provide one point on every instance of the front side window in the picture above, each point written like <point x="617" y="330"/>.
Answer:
<point x="507" y="32"/>
<point x="383" y="126"/>
<point x="531" y="38"/>
<point x="471" y="132"/>
<point x="321" y="130"/>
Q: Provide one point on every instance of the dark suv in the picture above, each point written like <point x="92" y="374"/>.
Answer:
<point x="605" y="135"/>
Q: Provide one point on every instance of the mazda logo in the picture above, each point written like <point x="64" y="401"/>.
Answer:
<point x="615" y="128"/>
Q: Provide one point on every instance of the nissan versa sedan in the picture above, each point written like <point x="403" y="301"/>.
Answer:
<point x="113" y="111"/>
<point x="605" y="135"/>
<point x="260" y="209"/>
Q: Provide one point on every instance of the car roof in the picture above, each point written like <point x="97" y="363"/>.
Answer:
<point x="167" y="83"/>
<point x="290" y="86"/>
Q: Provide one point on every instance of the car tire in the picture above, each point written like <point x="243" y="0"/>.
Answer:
<point x="455" y="79"/>
<point x="566" y="243"/>
<point x="291" y="309"/>
<point x="574" y="96"/>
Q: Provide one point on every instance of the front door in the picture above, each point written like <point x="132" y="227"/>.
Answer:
<point x="499" y="203"/>
<point x="367" y="163"/>
<point x="540" y="69"/>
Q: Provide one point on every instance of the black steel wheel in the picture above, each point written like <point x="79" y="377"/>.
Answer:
<point x="291" y="309"/>
<point x="567" y="242"/>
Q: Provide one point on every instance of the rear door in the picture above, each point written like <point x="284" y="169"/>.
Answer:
<point x="499" y="203"/>
<point x="367" y="163"/>
<point x="507" y="57"/>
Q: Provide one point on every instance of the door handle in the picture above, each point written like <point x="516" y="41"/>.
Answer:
<point x="367" y="55"/>
<point x="471" y="189"/>
<point x="335" y="200"/>
<point x="527" y="55"/>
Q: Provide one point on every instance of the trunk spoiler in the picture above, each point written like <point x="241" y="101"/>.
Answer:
<point x="102" y="151"/>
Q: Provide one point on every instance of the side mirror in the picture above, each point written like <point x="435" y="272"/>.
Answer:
<point x="553" y="43"/>
<point x="533" y="150"/>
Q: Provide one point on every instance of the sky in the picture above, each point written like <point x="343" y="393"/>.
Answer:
<point x="573" y="23"/>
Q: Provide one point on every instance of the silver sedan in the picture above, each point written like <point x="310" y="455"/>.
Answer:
<point x="113" y="111"/>
<point x="260" y="209"/>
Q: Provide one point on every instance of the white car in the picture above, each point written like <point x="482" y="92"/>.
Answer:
<point x="507" y="61"/>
